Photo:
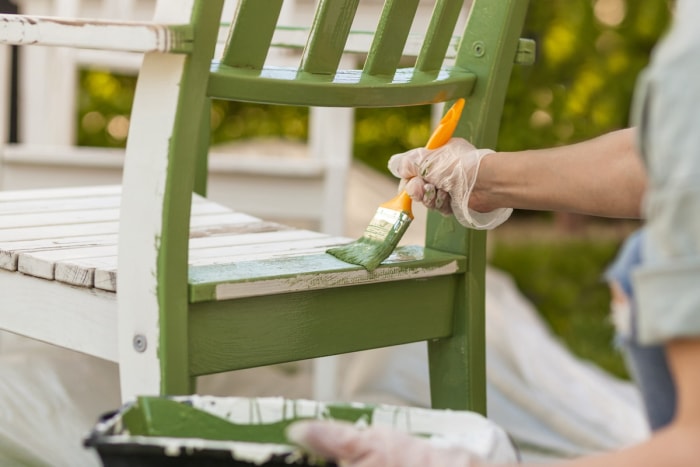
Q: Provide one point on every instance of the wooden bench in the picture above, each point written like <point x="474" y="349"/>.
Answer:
<point x="170" y="285"/>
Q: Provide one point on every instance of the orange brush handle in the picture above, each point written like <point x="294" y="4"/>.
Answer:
<point x="440" y="136"/>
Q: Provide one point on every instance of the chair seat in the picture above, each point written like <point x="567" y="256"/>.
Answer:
<point x="70" y="236"/>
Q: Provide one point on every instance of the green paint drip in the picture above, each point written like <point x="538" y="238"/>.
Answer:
<point x="380" y="238"/>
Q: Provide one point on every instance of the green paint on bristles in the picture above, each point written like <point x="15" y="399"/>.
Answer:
<point x="378" y="242"/>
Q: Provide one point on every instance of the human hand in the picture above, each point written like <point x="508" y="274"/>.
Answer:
<point x="443" y="179"/>
<point x="375" y="446"/>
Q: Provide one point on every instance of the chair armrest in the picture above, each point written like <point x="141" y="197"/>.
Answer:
<point x="128" y="36"/>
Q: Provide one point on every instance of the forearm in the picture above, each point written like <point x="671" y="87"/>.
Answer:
<point x="672" y="448"/>
<point x="603" y="176"/>
<point x="675" y="446"/>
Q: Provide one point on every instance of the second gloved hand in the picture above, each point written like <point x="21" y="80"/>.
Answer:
<point x="374" y="446"/>
<point x="443" y="179"/>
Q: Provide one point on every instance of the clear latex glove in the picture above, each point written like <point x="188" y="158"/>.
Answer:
<point x="444" y="178"/>
<point x="377" y="446"/>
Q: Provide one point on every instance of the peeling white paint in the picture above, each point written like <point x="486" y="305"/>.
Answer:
<point x="330" y="279"/>
<point x="91" y="34"/>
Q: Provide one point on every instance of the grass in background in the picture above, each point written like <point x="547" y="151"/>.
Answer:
<point x="562" y="275"/>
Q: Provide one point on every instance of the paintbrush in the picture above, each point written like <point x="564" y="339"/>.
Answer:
<point x="393" y="217"/>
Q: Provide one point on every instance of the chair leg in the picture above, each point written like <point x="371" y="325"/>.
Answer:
<point x="325" y="378"/>
<point x="458" y="363"/>
<point x="457" y="374"/>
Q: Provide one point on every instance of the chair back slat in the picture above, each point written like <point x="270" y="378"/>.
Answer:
<point x="328" y="35"/>
<point x="317" y="78"/>
<point x="438" y="35"/>
<point x="251" y="33"/>
<point x="389" y="41"/>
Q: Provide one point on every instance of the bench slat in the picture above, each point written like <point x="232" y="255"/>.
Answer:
<point x="59" y="231"/>
<point x="312" y="272"/>
<point x="42" y="262"/>
<point x="255" y="232"/>
<point x="86" y="216"/>
<point x="252" y="31"/>
<point x="388" y="48"/>
<point x="12" y="196"/>
<point x="10" y="251"/>
<point x="437" y="38"/>
<point x="201" y="225"/>
<point x="105" y="268"/>
<point x="58" y="205"/>
<point x="328" y="35"/>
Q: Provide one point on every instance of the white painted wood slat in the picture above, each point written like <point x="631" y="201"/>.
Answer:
<point x="42" y="263"/>
<point x="127" y="36"/>
<point x="10" y="251"/>
<point x="57" y="193"/>
<point x="84" y="322"/>
<point x="59" y="218"/>
<point x="75" y="264"/>
<point x="70" y="235"/>
<point x="58" y="204"/>
<point x="202" y="224"/>
<point x="57" y="231"/>
<point x="65" y="214"/>
<point x="93" y="246"/>
<point x="221" y="227"/>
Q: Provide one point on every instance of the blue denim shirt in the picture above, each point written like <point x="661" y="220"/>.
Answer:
<point x="620" y="272"/>
<point x="667" y="285"/>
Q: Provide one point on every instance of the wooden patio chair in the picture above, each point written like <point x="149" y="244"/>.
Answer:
<point x="172" y="286"/>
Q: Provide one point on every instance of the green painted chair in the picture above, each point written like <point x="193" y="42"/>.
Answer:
<point x="173" y="286"/>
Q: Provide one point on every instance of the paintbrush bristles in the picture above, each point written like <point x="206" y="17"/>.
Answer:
<point x="380" y="238"/>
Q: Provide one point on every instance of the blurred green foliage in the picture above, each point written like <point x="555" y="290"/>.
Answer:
<point x="589" y="56"/>
<point x="104" y="100"/>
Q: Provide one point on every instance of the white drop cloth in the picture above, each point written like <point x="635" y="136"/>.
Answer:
<point x="543" y="396"/>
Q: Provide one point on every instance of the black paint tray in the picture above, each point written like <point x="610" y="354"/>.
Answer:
<point x="238" y="432"/>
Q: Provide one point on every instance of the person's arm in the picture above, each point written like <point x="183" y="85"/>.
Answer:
<point x="679" y="444"/>
<point x="603" y="176"/>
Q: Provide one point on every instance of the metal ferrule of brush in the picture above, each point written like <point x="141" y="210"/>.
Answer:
<point x="387" y="222"/>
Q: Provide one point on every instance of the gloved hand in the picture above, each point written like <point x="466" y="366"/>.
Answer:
<point x="444" y="178"/>
<point x="378" y="446"/>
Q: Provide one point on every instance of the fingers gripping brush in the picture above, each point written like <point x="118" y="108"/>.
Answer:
<point x="393" y="217"/>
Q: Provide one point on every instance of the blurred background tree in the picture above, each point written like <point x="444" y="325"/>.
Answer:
<point x="589" y="55"/>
